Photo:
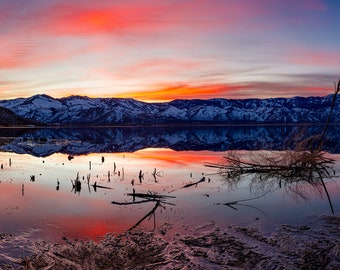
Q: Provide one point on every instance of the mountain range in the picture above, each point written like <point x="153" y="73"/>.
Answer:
<point x="81" y="110"/>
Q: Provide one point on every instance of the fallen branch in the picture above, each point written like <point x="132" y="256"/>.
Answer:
<point x="232" y="203"/>
<point x="159" y="199"/>
<point x="150" y="214"/>
<point x="190" y="185"/>
<point x="95" y="186"/>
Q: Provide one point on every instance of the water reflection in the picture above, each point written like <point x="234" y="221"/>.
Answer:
<point x="76" y="141"/>
<point x="95" y="186"/>
<point x="76" y="185"/>
<point x="235" y="204"/>
<point x="269" y="170"/>
<point x="79" y="196"/>
<point x="159" y="201"/>
<point x="192" y="184"/>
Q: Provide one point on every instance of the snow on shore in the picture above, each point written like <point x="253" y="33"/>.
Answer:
<point x="315" y="245"/>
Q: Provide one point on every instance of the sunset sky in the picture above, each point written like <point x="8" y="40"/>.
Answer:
<point x="160" y="50"/>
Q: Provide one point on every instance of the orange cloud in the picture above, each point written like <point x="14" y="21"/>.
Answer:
<point x="180" y="91"/>
<point x="234" y="91"/>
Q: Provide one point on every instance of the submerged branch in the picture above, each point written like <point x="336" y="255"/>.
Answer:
<point x="150" y="196"/>
<point x="288" y="165"/>
<point x="190" y="184"/>
<point x="129" y="203"/>
<point x="276" y="170"/>
<point x="233" y="203"/>
<point x="150" y="214"/>
<point x="159" y="200"/>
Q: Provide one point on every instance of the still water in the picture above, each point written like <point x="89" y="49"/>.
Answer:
<point x="79" y="183"/>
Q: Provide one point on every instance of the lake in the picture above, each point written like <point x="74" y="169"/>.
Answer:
<point x="82" y="183"/>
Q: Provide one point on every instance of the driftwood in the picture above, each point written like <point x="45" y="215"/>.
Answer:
<point x="287" y="165"/>
<point x="147" y="197"/>
<point x="281" y="169"/>
<point x="156" y="174"/>
<point x="95" y="186"/>
<point x="152" y="197"/>
<point x="306" y="164"/>
<point x="190" y="184"/>
<point x="149" y="215"/>
<point x="76" y="185"/>
<point x="233" y="204"/>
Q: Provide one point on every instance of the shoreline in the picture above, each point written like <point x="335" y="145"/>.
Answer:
<point x="314" y="245"/>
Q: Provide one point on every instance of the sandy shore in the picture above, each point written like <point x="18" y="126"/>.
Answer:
<point x="315" y="245"/>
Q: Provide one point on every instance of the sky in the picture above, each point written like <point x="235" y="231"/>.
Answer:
<point x="161" y="50"/>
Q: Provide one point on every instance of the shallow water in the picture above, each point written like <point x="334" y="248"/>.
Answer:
<point x="41" y="201"/>
<point x="49" y="206"/>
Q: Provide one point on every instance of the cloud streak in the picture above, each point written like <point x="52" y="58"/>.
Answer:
<point x="255" y="89"/>
<point x="156" y="49"/>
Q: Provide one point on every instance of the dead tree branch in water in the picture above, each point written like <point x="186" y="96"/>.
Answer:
<point x="190" y="184"/>
<point x="337" y="90"/>
<point x="287" y="165"/>
<point x="151" y="214"/>
<point x="150" y="196"/>
<point x="95" y="186"/>
<point x="76" y="185"/>
<point x="158" y="199"/>
<point x="306" y="164"/>
<point x="233" y="204"/>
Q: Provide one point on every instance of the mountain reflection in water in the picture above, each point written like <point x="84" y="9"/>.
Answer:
<point x="85" y="182"/>
<point x="76" y="141"/>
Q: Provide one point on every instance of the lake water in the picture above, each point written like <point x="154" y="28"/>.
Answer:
<point x="39" y="194"/>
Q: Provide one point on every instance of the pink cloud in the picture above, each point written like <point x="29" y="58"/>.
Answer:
<point x="31" y="53"/>
<point x="15" y="52"/>
<point x="86" y="18"/>
<point x="308" y="56"/>
<point x="317" y="58"/>
<point x="70" y="19"/>
<point x="156" y="41"/>
<point x="144" y="18"/>
<point x="164" y="67"/>
<point x="65" y="18"/>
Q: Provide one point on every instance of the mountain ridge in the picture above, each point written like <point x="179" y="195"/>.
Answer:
<point x="83" y="110"/>
<point x="8" y="118"/>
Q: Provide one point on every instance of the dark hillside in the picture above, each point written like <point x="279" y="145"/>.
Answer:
<point x="8" y="118"/>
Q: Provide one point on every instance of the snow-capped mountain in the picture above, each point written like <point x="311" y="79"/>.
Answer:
<point x="79" y="110"/>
